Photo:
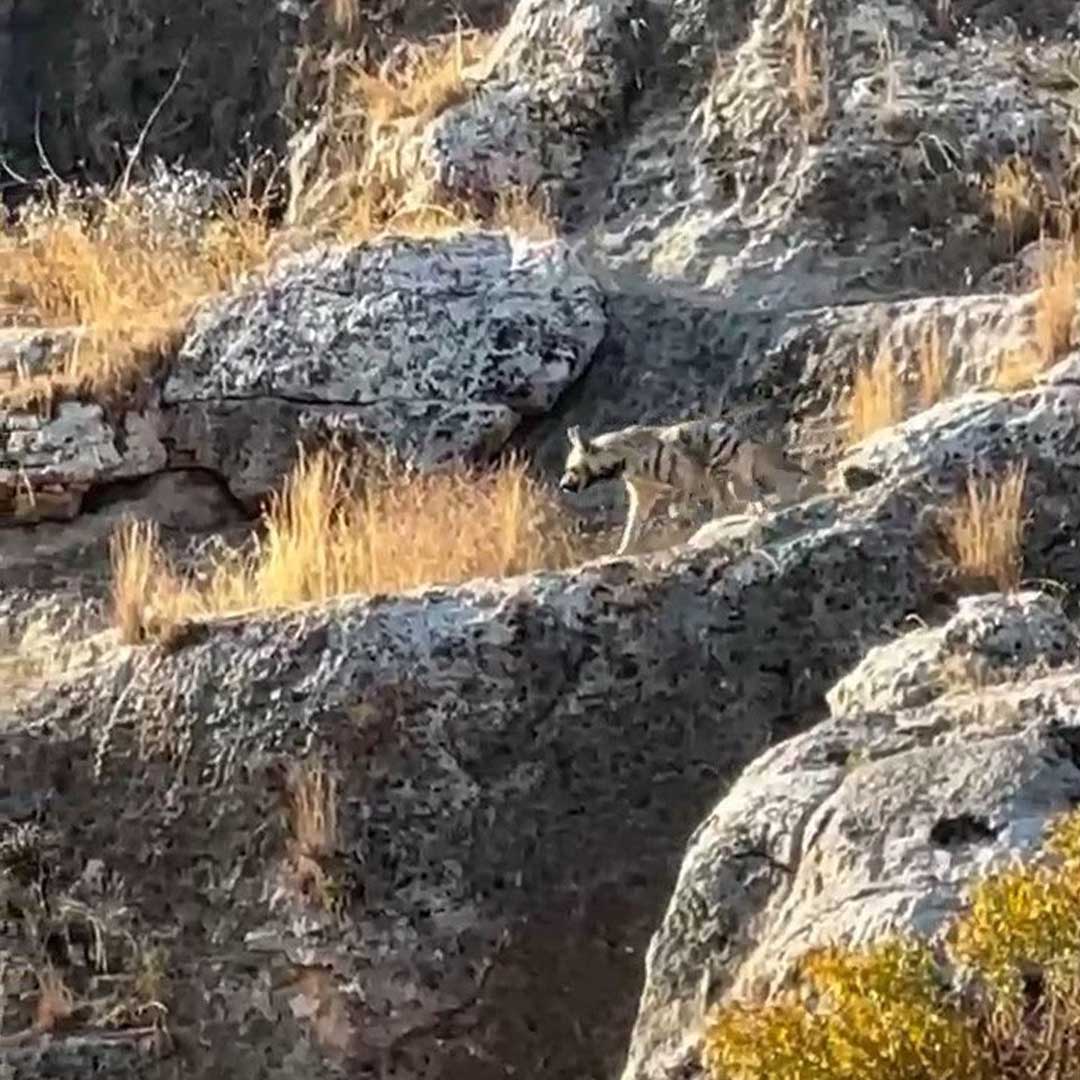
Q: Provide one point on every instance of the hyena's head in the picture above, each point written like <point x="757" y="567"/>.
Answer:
<point x="585" y="464"/>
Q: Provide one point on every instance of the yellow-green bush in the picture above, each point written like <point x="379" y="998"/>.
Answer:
<point x="887" y="1011"/>
<point x="878" y="1012"/>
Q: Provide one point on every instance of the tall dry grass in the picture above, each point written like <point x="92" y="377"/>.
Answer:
<point x="124" y="282"/>
<point x="130" y="286"/>
<point x="985" y="529"/>
<point x="878" y="399"/>
<point x="932" y="359"/>
<point x="358" y="174"/>
<point x="332" y="531"/>
<point x="1055" y="313"/>
<point x="808" y="73"/>
<point x="313" y="834"/>
<point x="1018" y="201"/>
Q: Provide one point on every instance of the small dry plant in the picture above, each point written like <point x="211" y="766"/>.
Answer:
<point x="985" y="529"/>
<point x="878" y="398"/>
<point x="124" y="284"/>
<point x="933" y="365"/>
<point x="1055" y="304"/>
<point x="1017" y="196"/>
<point x="314" y="837"/>
<point x="342" y="15"/>
<point x="55" y="1002"/>
<point x="522" y="213"/>
<point x="338" y="528"/>
<point x="808" y="73"/>
<point x="355" y="172"/>
<point x="1055" y="312"/>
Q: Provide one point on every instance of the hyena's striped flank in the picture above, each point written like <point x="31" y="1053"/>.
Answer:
<point x="705" y="458"/>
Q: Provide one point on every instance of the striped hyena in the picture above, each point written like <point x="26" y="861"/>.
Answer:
<point x="704" y="458"/>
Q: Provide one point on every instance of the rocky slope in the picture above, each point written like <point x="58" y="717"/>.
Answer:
<point x="519" y="763"/>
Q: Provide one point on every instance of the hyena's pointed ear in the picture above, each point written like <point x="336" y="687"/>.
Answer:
<point x="574" y="435"/>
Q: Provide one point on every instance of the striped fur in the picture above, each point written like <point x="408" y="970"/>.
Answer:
<point x="697" y="458"/>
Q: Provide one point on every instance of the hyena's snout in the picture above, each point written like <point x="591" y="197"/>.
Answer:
<point x="571" y="482"/>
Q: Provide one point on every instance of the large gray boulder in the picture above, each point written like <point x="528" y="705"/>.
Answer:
<point x="436" y="348"/>
<point x="945" y="755"/>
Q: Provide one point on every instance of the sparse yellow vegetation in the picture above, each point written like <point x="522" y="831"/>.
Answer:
<point x="1055" y="304"/>
<point x="1017" y="196"/>
<point x="429" y="80"/>
<point x="985" y="528"/>
<point x="1055" y="312"/>
<point x="334" y="530"/>
<point x="933" y="363"/>
<point x="139" y="570"/>
<point x="126" y="284"/>
<point x="808" y="72"/>
<point x="55" y="1002"/>
<point x="878" y="397"/>
<point x="129" y="286"/>
<point x="313" y="810"/>
<point x="880" y="1013"/>
<point x="357" y="175"/>
<point x="313" y="833"/>
<point x="888" y="1010"/>
<point x="1017" y="368"/>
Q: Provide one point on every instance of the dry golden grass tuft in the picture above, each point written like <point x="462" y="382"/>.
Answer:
<point x="430" y="80"/>
<point x="878" y="398"/>
<point x="55" y="1002"/>
<point x="1055" y="304"/>
<point x="1055" y="313"/>
<point x="1017" y="368"/>
<point x="808" y="73"/>
<point x="357" y="173"/>
<point x="336" y="529"/>
<point x="985" y="529"/>
<point x="523" y="213"/>
<point x="313" y="833"/>
<point x="147" y="596"/>
<point x="313" y="809"/>
<point x="1017" y="196"/>
<point x="124" y="282"/>
<point x="933" y="366"/>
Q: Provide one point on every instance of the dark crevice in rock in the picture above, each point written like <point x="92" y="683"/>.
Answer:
<point x="108" y="495"/>
<point x="961" y="830"/>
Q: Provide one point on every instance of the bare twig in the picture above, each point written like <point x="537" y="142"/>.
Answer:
<point x="17" y="177"/>
<point x="140" y="142"/>
<point x="43" y="158"/>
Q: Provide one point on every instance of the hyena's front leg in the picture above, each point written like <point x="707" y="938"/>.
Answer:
<point x="640" y="504"/>
<point x="744" y="473"/>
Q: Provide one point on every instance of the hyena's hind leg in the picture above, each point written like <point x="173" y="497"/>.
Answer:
<point x="641" y="501"/>
<point x="741" y="481"/>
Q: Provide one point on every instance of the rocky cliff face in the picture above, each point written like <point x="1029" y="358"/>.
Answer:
<point x="750" y="200"/>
